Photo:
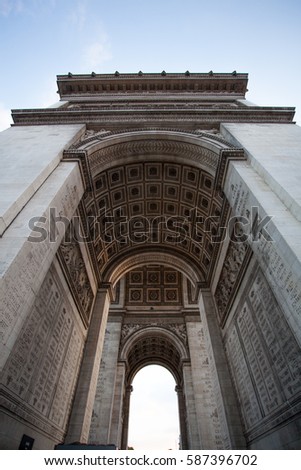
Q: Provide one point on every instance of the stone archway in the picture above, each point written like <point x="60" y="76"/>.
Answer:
<point x="165" y="346"/>
<point x="149" y="167"/>
<point x="153" y="203"/>
<point x="154" y="407"/>
<point x="153" y="191"/>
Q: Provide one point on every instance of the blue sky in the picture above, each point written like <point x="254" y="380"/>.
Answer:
<point x="40" y="39"/>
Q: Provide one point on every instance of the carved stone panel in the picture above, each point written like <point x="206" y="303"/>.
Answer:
<point x="179" y="329"/>
<point x="237" y="257"/>
<point x="74" y="267"/>
<point x="40" y="375"/>
<point x="264" y="357"/>
<point x="154" y="285"/>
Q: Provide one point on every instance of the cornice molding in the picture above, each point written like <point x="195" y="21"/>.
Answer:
<point x="111" y="118"/>
<point x="234" y="84"/>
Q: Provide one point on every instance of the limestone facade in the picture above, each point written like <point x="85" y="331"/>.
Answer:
<point x="151" y="219"/>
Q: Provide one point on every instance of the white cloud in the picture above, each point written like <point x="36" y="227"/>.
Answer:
<point x="28" y="7"/>
<point x="49" y="94"/>
<point x="5" y="118"/>
<point x="77" y="16"/>
<point x="154" y="421"/>
<point x="95" y="54"/>
<point x="94" y="45"/>
<point x="11" y="6"/>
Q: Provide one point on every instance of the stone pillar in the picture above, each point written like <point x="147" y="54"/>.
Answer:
<point x="81" y="413"/>
<point x="29" y="155"/>
<point x="182" y="416"/>
<point x="126" y="414"/>
<point x="269" y="185"/>
<point x="116" y="420"/>
<point x="228" y="405"/>
<point x="193" y="437"/>
<point x="213" y="434"/>
<point x="104" y="397"/>
<point x="26" y="257"/>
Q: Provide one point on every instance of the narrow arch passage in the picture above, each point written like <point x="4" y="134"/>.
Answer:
<point x="154" y="414"/>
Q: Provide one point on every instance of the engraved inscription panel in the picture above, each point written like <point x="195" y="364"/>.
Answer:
<point x="44" y="362"/>
<point x="264" y="356"/>
<point x="274" y="258"/>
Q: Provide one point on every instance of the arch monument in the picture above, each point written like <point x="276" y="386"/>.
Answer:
<point x="151" y="219"/>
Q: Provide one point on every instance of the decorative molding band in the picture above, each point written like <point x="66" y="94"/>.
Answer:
<point x="91" y="137"/>
<point x="226" y="155"/>
<point x="237" y="258"/>
<point x="155" y="257"/>
<point x="72" y="262"/>
<point x="28" y="415"/>
<point x="211" y="117"/>
<point x="141" y="83"/>
<point x="179" y="329"/>
<point x="207" y="159"/>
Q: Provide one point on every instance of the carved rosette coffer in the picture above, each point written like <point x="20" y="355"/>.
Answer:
<point x="237" y="258"/>
<point x="73" y="265"/>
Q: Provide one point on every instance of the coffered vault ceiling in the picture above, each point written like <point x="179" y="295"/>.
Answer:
<point x="153" y="192"/>
<point x="155" y="205"/>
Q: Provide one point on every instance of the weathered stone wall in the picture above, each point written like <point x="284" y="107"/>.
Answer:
<point x="103" y="404"/>
<point x="39" y="378"/>
<point x="26" y="253"/>
<point x="28" y="156"/>
<point x="265" y="363"/>
<point x="231" y="431"/>
<point x="41" y="333"/>
<point x="212" y="427"/>
<point x="262" y="321"/>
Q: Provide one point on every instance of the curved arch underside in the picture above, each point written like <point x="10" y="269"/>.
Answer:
<point x="154" y="345"/>
<point x="200" y="149"/>
<point x="148" y="258"/>
<point x="153" y="193"/>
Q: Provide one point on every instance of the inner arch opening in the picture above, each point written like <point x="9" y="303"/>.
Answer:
<point x="154" y="415"/>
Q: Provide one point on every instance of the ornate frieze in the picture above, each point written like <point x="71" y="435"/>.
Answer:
<point x="72" y="260"/>
<point x="237" y="257"/>
<point x="92" y="136"/>
<point x="179" y="329"/>
<point x="114" y="153"/>
<point x="147" y="117"/>
<point x="176" y="83"/>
